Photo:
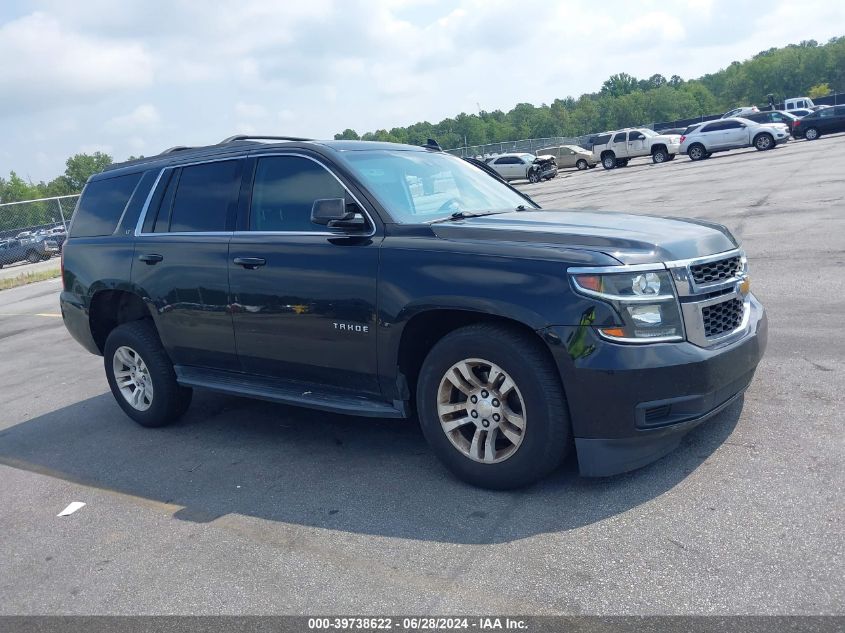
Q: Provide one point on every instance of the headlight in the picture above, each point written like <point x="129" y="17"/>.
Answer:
<point x="645" y="301"/>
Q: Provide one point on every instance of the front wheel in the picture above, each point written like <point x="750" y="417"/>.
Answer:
<point x="763" y="142"/>
<point x="811" y="134"/>
<point x="696" y="152"/>
<point x="141" y="376"/>
<point x="581" y="164"/>
<point x="492" y="408"/>
<point x="533" y="176"/>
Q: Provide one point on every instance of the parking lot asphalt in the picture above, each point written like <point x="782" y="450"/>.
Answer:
<point x="250" y="507"/>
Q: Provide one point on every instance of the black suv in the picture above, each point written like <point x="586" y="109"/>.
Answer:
<point x="388" y="280"/>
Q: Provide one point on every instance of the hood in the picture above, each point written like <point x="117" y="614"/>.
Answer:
<point x="629" y="238"/>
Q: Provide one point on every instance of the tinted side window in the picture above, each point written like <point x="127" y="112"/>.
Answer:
<point x="713" y="127"/>
<point x="635" y="136"/>
<point x="839" y="110"/>
<point x="205" y="197"/>
<point x="731" y="125"/>
<point x="285" y="190"/>
<point x="827" y="112"/>
<point x="602" y="140"/>
<point x="619" y="138"/>
<point x="102" y="204"/>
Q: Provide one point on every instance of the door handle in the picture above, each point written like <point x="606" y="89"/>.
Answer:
<point x="250" y="263"/>
<point x="150" y="259"/>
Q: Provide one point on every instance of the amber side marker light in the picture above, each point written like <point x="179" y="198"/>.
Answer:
<point x="590" y="282"/>
<point x="617" y="332"/>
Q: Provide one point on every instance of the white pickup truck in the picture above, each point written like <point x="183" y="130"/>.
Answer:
<point x="615" y="149"/>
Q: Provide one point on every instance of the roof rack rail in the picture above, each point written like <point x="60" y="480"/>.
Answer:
<point x="249" y="137"/>
<point x="176" y="148"/>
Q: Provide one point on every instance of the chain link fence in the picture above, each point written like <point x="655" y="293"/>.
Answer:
<point x="31" y="216"/>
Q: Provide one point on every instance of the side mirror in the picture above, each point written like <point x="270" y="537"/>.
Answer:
<point x="336" y="214"/>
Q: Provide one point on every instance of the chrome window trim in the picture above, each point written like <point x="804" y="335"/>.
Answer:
<point x="145" y="209"/>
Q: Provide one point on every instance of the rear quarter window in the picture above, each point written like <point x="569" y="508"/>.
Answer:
<point x="101" y="205"/>
<point x="602" y="140"/>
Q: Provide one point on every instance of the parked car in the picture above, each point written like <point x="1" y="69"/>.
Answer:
<point x="422" y="287"/>
<point x="30" y="248"/>
<point x="740" y="112"/>
<point x="544" y="168"/>
<point x="615" y="149"/>
<point x="798" y="103"/>
<point x="824" y="121"/>
<point x="773" y="116"/>
<point x="801" y="112"/>
<point x="727" y="134"/>
<point x="571" y="156"/>
<point x="514" y="166"/>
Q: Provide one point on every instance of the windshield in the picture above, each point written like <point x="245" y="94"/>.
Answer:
<point x="417" y="187"/>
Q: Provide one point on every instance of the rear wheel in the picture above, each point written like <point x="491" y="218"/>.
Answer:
<point x="581" y="164"/>
<point x="492" y="408"/>
<point x="141" y="376"/>
<point x="608" y="161"/>
<point x="33" y="257"/>
<point x="659" y="156"/>
<point x="811" y="134"/>
<point x="697" y="152"/>
<point x="764" y="141"/>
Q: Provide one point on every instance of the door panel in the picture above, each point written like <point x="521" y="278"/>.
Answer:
<point x="188" y="290"/>
<point x="307" y="312"/>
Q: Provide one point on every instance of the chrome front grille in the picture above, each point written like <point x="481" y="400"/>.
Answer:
<point x="713" y="297"/>
<point x="722" y="317"/>
<point x="715" y="271"/>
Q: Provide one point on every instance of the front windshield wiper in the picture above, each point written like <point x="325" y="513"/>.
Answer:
<point x="462" y="215"/>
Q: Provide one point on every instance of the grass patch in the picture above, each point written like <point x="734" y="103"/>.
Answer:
<point x="29" y="278"/>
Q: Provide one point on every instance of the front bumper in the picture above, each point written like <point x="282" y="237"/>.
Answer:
<point x="631" y="404"/>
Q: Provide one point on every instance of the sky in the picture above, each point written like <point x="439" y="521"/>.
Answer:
<point x="137" y="76"/>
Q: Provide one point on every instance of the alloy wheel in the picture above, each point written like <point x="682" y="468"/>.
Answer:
<point x="132" y="377"/>
<point x="481" y="410"/>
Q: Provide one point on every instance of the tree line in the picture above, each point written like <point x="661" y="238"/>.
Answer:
<point x="805" y="69"/>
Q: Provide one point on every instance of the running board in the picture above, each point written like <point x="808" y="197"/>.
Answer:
<point x="287" y="392"/>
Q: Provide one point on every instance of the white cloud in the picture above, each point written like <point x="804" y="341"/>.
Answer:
<point x="45" y="66"/>
<point x="143" y="118"/>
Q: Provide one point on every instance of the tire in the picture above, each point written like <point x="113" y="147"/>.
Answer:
<point x="763" y="142"/>
<point x="33" y="257"/>
<point x="621" y="162"/>
<point x="671" y="157"/>
<point x="811" y="134"/>
<point x="533" y="176"/>
<point x="696" y="152"/>
<point x="659" y="156"/>
<point x="581" y="164"/>
<point x="517" y="457"/>
<point x="594" y="165"/>
<point x="608" y="161"/>
<point x="167" y="399"/>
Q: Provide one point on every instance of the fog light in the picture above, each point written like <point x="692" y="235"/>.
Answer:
<point x="646" y="315"/>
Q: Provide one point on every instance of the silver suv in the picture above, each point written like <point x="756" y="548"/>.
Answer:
<point x="516" y="166"/>
<point x="727" y="134"/>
